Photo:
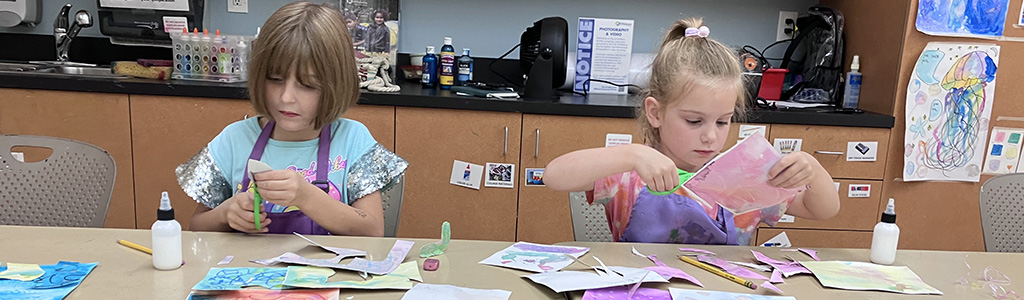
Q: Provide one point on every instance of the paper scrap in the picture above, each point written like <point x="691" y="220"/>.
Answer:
<point x="316" y="277"/>
<point x="57" y="282"/>
<point x="226" y="260"/>
<point x="852" y="275"/>
<point x="342" y="252"/>
<point x="219" y="279"/>
<point x="620" y="292"/>
<point x="637" y="253"/>
<point x="770" y="286"/>
<point x="292" y="258"/>
<point x="812" y="253"/>
<point x="426" y="291"/>
<point x="787" y="268"/>
<point x="249" y="294"/>
<point x="716" y="295"/>
<point x="697" y="251"/>
<point x="437" y="248"/>
<point x="730" y="268"/>
<point x="534" y="257"/>
<point x="574" y="280"/>
<point x="670" y="272"/>
<point x="758" y="267"/>
<point x="21" y="272"/>
<point x="776" y="277"/>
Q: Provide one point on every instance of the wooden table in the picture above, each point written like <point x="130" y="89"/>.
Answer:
<point x="940" y="269"/>
<point x="124" y="273"/>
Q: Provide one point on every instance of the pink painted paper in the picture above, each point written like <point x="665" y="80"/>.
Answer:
<point x="738" y="178"/>
<point x="249" y="294"/>
<point x="696" y="250"/>
<point x="620" y="292"/>
<point x="670" y="272"/>
<point x="770" y="286"/>
<point x="812" y="253"/>
<point x="731" y="268"/>
<point x="776" y="277"/>
<point x="787" y="268"/>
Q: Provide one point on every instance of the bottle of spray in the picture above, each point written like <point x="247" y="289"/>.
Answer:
<point x="851" y="94"/>
<point x="465" y="67"/>
<point x="447" y="64"/>
<point x="885" y="237"/>
<point x="429" y="78"/>
<point x="166" y="237"/>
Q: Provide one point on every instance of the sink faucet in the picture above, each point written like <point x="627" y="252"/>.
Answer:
<point x="63" y="35"/>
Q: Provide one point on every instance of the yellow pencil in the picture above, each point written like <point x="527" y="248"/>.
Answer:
<point x="718" y="272"/>
<point x="135" y="246"/>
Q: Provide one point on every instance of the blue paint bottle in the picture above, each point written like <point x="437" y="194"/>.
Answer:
<point x="429" y="68"/>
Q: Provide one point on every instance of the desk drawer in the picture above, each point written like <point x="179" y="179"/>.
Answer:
<point x="857" y="213"/>
<point x="806" y="238"/>
<point x="828" y="144"/>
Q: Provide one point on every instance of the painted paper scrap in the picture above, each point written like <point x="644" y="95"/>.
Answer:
<point x="425" y="291"/>
<point x="57" y="282"/>
<point x="22" y="272"/>
<point x="687" y="294"/>
<point x="219" y="279"/>
<point x="731" y="268"/>
<point x="534" y="257"/>
<point x="852" y="275"/>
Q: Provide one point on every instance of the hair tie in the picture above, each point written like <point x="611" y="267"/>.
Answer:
<point x="702" y="31"/>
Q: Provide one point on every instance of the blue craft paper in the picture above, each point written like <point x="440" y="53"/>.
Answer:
<point x="56" y="283"/>
<point x="222" y="279"/>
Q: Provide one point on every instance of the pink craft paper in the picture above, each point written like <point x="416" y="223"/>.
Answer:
<point x="787" y="268"/>
<point x="670" y="272"/>
<point x="731" y="268"/>
<point x="620" y="292"/>
<point x="776" y="277"/>
<point x="770" y="286"/>
<point x="738" y="178"/>
<point x="812" y="253"/>
<point x="696" y="250"/>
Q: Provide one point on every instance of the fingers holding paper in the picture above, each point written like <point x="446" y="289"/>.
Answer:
<point x="794" y="170"/>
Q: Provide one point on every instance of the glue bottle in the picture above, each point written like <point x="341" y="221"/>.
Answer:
<point x="885" y="237"/>
<point x="166" y="237"/>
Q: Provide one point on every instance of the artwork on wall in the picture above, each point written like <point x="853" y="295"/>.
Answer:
<point x="962" y="18"/>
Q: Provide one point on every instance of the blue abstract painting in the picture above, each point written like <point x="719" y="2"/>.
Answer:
<point x="56" y="283"/>
<point x="962" y="17"/>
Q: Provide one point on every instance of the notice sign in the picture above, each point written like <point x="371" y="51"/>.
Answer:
<point x="603" y="52"/>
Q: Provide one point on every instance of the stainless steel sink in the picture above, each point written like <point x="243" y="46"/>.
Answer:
<point x="66" y="71"/>
<point x="18" y="67"/>
<point x="79" y="71"/>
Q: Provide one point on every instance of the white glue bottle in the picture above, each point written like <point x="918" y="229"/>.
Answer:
<point x="166" y="237"/>
<point x="885" y="237"/>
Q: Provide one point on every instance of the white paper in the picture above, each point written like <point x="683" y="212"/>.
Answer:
<point x="861" y="151"/>
<point x="1004" y="147"/>
<point x="859" y="191"/>
<point x="603" y="51"/>
<point x="534" y="257"/>
<point x="565" y="281"/>
<point x="175" y="5"/>
<point x="948" y="110"/>
<point x="256" y="166"/>
<point x="467" y="174"/>
<point x="790" y="104"/>
<point x="175" y="24"/>
<point x="748" y="130"/>
<point x="787" y="219"/>
<point x="781" y="238"/>
<point x="19" y="156"/>
<point x="426" y="291"/>
<point x="617" y="139"/>
<point x="837" y="186"/>
<point x="688" y="294"/>
<point x="787" y="146"/>
<point x="226" y="260"/>
<point x="500" y="175"/>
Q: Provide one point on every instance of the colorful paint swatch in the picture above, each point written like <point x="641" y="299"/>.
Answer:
<point x="1004" y="151"/>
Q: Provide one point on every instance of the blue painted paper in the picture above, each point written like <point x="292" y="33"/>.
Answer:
<point x="222" y="279"/>
<point x="56" y="283"/>
<point x="962" y="17"/>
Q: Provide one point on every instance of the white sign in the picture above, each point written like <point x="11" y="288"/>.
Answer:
<point x="500" y="175"/>
<point x="748" y="130"/>
<point x="860" y="191"/>
<point x="616" y="139"/>
<point x="861" y="151"/>
<point x="603" y="52"/>
<point x="175" y="24"/>
<point x="787" y="146"/>
<point x="466" y="174"/>
<point x="787" y="219"/>
<point x="175" y="5"/>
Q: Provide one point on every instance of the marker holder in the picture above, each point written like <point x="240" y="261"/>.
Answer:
<point x="217" y="58"/>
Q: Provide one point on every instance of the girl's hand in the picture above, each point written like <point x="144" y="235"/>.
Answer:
<point x="238" y="211"/>
<point x="654" y="168"/>
<point x="282" y="187"/>
<point x="793" y="171"/>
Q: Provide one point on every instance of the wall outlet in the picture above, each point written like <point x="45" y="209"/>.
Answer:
<point x="781" y="33"/>
<point x="238" y="6"/>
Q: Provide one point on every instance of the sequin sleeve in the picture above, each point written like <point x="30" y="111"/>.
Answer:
<point x="202" y="180"/>
<point x="377" y="170"/>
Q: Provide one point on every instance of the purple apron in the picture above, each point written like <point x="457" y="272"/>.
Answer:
<point x="677" y="219"/>
<point x="296" y="220"/>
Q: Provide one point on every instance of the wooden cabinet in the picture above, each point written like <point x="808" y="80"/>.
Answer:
<point x="735" y="132"/>
<point x="544" y="215"/>
<point x="379" y="119"/>
<point x="828" y="144"/>
<point x="431" y="140"/>
<point x="856" y="213"/>
<point x="807" y="238"/>
<point x="95" y="118"/>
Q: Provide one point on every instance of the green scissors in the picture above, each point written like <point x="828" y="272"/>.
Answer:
<point x="683" y="177"/>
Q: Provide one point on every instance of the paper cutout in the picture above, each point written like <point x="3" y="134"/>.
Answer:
<point x="776" y="277"/>
<point x="437" y="248"/>
<point x="574" y="281"/>
<point x="730" y="268"/>
<point x="22" y="272"/>
<point x="342" y="252"/>
<point x="220" y="279"/>
<point x="57" y="282"/>
<point x="534" y="257"/>
<point x="697" y="250"/>
<point x="770" y="286"/>
<point x="962" y="18"/>
<point x="787" y="268"/>
<point x="637" y="253"/>
<point x="425" y="291"/>
<point x="948" y="109"/>
<point x="715" y="295"/>
<point x="315" y="277"/>
<point x="376" y="267"/>
<point x="226" y="260"/>
<point x="1003" y="155"/>
<point x="620" y="292"/>
<point x="812" y="253"/>
<point x="293" y="258"/>
<point x="738" y="178"/>
<point x="250" y="294"/>
<point x="852" y="275"/>
<point x="758" y="267"/>
<point x="670" y="272"/>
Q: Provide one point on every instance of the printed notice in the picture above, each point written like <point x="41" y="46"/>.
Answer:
<point x="603" y="51"/>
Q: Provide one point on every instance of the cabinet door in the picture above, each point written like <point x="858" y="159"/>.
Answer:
<point x="855" y="213"/>
<point x="380" y="120"/>
<point x="432" y="139"/>
<point x="96" y="118"/>
<point x="807" y="238"/>
<point x="544" y="215"/>
<point x="828" y="144"/>
<point x="167" y="131"/>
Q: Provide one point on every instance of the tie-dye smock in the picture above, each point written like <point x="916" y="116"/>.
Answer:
<point x="674" y="218"/>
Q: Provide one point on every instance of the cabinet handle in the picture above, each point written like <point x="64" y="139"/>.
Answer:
<point x="828" y="152"/>
<point x="536" y="146"/>
<point x="506" y="142"/>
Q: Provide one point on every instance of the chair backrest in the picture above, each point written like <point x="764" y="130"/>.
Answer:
<point x="392" y="201"/>
<point x="1002" y="213"/>
<point x="70" y="188"/>
<point x="589" y="223"/>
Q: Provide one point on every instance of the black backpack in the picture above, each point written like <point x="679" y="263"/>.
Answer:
<point x="816" y="53"/>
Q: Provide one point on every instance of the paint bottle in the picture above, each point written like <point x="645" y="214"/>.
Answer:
<point x="166" y="237"/>
<point x="465" y="67"/>
<point x="885" y="237"/>
<point x="447" y="64"/>
<point x="851" y="92"/>
<point x="429" y="78"/>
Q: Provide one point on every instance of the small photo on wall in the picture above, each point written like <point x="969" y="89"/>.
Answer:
<point x="500" y="175"/>
<point x="534" y="177"/>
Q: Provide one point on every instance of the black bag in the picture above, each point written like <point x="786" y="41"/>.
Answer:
<point x="816" y="53"/>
